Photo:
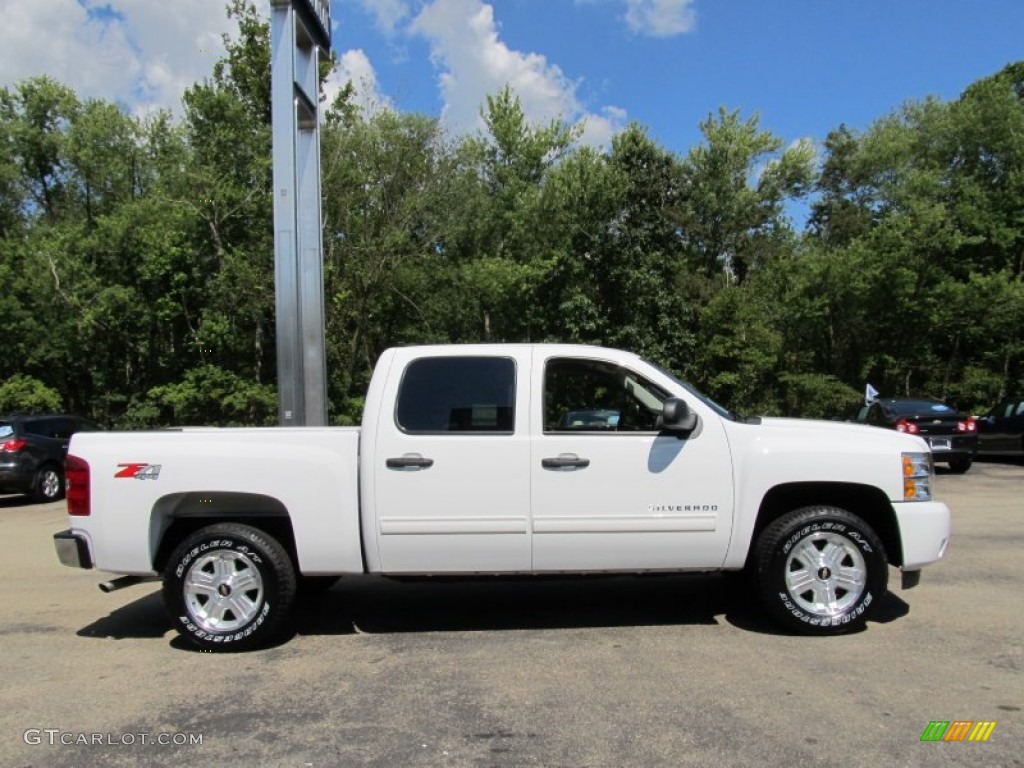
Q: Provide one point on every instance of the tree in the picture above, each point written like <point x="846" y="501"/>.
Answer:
<point x="738" y="182"/>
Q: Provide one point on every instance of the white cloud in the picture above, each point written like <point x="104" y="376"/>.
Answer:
<point x="474" y="62"/>
<point x="138" y="52"/>
<point x="354" y="66"/>
<point x="389" y="14"/>
<point x="660" y="18"/>
<point x="144" y="53"/>
<point x="57" y="37"/>
<point x="599" y="129"/>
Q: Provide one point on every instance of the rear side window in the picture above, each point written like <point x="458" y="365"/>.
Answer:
<point x="63" y="428"/>
<point x="1020" y="408"/>
<point x="41" y="427"/>
<point x="458" y="394"/>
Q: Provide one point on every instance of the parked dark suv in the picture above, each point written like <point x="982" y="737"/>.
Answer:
<point x="1001" y="432"/>
<point x="32" y="451"/>
<point x="952" y="435"/>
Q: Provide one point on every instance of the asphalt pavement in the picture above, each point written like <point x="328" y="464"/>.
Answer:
<point x="676" y="670"/>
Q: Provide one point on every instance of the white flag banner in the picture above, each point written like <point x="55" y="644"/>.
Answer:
<point x="870" y="395"/>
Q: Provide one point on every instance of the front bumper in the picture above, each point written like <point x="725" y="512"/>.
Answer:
<point x="73" y="549"/>
<point x="925" y="528"/>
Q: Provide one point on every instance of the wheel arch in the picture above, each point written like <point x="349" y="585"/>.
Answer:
<point x="178" y="515"/>
<point x="867" y="502"/>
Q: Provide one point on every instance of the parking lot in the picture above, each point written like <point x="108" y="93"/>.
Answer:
<point x="622" y="671"/>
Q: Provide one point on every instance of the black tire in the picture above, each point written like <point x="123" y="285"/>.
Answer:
<point x="959" y="466"/>
<point x="229" y="587"/>
<point x="49" y="484"/>
<point x="820" y="571"/>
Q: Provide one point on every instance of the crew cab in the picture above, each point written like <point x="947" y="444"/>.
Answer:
<point x="505" y="459"/>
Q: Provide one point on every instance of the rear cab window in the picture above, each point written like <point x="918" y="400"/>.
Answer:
<point x="442" y="395"/>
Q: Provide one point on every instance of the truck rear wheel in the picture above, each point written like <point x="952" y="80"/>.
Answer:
<point x="820" y="570"/>
<point x="229" y="587"/>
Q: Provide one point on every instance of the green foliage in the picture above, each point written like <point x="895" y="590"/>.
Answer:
<point x="737" y="182"/>
<point x="211" y="395"/>
<point x="816" y="395"/>
<point x="138" y="266"/>
<point x="21" y="393"/>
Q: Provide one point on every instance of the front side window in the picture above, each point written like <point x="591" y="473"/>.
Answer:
<point x="458" y="394"/>
<point x="595" y="396"/>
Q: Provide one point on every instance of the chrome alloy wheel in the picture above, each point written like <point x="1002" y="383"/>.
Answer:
<point x="50" y="483"/>
<point x="825" y="574"/>
<point x="223" y="590"/>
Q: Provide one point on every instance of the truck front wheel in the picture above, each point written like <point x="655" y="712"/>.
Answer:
<point x="820" y="570"/>
<point x="229" y="587"/>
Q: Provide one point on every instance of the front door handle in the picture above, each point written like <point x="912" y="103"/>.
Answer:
<point x="411" y="462"/>
<point x="565" y="461"/>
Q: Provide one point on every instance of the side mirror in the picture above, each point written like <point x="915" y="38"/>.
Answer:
<point x="676" y="416"/>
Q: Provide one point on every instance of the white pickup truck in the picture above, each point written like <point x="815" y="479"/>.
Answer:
<point x="505" y="459"/>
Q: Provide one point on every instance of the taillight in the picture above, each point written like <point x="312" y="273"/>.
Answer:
<point x="967" y="426"/>
<point x="907" y="426"/>
<point x="13" y="445"/>
<point x="76" y="484"/>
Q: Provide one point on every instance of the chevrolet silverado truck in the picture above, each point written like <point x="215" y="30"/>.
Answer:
<point x="505" y="459"/>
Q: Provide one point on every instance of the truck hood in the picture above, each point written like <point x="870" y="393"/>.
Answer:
<point x="840" y="435"/>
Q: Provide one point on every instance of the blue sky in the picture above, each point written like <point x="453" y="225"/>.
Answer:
<point x="804" y="65"/>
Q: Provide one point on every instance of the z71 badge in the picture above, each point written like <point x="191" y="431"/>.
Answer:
<point x="139" y="471"/>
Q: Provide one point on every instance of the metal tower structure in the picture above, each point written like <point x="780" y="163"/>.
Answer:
<point x="300" y="32"/>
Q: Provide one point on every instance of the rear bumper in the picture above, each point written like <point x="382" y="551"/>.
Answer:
<point x="925" y="528"/>
<point x="73" y="549"/>
<point x="953" y="447"/>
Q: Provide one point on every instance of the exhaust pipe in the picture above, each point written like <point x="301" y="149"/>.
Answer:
<point x="124" y="581"/>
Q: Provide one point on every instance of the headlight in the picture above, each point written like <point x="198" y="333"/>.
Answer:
<point x="918" y="471"/>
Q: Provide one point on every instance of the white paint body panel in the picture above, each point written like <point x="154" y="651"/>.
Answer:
<point x="646" y="501"/>
<point x="486" y="505"/>
<point x="470" y="511"/>
<point x="312" y="471"/>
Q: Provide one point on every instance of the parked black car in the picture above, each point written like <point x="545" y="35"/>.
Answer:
<point x="1001" y="432"/>
<point x="952" y="435"/>
<point x="32" y="451"/>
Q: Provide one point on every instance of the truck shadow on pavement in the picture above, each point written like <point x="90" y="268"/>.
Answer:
<point x="374" y="605"/>
<point x="138" y="619"/>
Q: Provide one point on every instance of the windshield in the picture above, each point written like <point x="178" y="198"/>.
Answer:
<point x="6" y="430"/>
<point x="721" y="410"/>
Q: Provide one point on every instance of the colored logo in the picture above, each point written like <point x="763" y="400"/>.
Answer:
<point x="958" y="730"/>
<point x="139" y="471"/>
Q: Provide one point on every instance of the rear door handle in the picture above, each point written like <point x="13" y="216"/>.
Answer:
<point x="565" y="461"/>
<point x="410" y="462"/>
